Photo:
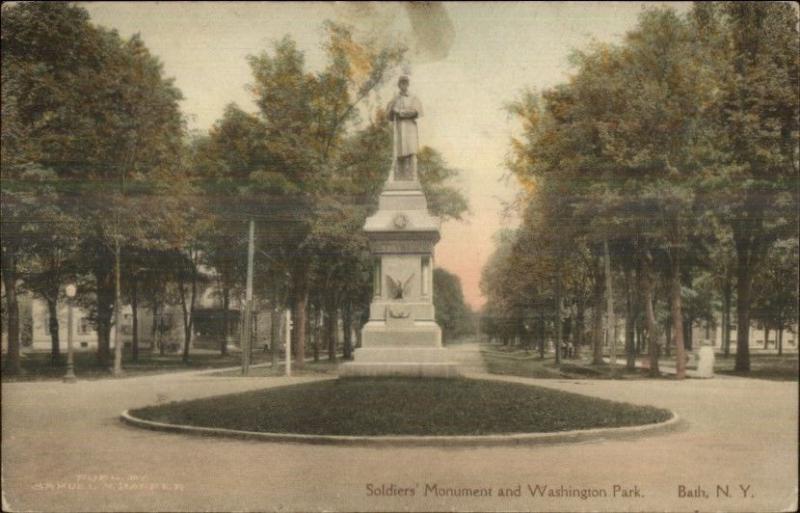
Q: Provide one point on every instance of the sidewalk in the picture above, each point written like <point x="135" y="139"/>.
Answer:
<point x="467" y="356"/>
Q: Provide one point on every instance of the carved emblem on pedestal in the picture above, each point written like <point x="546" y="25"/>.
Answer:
<point x="400" y="221"/>
<point x="402" y="314"/>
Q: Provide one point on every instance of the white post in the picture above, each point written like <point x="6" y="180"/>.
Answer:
<point x="288" y="343"/>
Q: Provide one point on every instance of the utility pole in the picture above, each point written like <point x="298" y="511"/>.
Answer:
<point x="611" y="323"/>
<point x="118" y="344"/>
<point x="248" y="302"/>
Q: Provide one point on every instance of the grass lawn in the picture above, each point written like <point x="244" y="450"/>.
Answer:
<point x="517" y="362"/>
<point x="323" y="366"/>
<point x="500" y="360"/>
<point x="37" y="367"/>
<point x="402" y="406"/>
<point x="762" y="366"/>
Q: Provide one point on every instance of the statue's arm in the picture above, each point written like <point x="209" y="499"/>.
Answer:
<point x="413" y="112"/>
<point x="407" y="114"/>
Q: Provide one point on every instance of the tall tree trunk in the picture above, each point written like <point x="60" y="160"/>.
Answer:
<point x="105" y="300"/>
<point x="347" y="322"/>
<point x="542" y="331"/>
<point x="329" y="327"/>
<point x="638" y="321"/>
<point x="337" y="342"/>
<point x="558" y="311"/>
<point x="187" y="333"/>
<point x="677" y="315"/>
<point x="688" y="322"/>
<point x="299" y="313"/>
<point x="55" y="346"/>
<point x="315" y="334"/>
<point x="135" y="319"/>
<point x="188" y="312"/>
<point x="780" y="341"/>
<point x="726" y="315"/>
<point x="766" y="336"/>
<point x="580" y="324"/>
<point x="744" y="280"/>
<point x="650" y="318"/>
<point x="611" y="322"/>
<point x="9" y="272"/>
<point x="157" y="328"/>
<point x="275" y="333"/>
<point x="668" y="338"/>
<point x="118" y="344"/>
<point x="597" y="321"/>
<point x="226" y="304"/>
<point x="192" y="307"/>
<point x="750" y="251"/>
<point x="630" y="345"/>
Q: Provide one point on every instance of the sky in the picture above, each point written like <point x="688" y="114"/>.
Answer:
<point x="466" y="61"/>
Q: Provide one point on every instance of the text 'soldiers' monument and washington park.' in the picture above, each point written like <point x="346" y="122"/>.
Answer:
<point x="401" y="337"/>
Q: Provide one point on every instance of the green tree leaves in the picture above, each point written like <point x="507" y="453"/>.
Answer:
<point x="660" y="143"/>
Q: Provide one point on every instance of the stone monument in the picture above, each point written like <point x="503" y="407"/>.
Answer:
<point x="705" y="360"/>
<point x="402" y="337"/>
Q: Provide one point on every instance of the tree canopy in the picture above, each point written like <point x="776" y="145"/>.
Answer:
<point x="659" y="146"/>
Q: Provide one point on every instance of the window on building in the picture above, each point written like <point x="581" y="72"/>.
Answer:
<point x="127" y="324"/>
<point x="84" y="326"/>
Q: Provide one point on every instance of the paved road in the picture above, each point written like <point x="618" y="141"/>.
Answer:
<point x="65" y="450"/>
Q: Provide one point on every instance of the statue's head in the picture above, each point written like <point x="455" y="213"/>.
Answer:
<point x="402" y="83"/>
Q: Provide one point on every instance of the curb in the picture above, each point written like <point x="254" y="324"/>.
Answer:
<point x="578" y="435"/>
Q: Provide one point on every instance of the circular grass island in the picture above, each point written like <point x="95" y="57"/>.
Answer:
<point x="401" y="408"/>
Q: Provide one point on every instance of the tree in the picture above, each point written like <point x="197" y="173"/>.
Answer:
<point x="96" y="110"/>
<point x="624" y="140"/>
<point x="506" y="290"/>
<point x="452" y="313"/>
<point x="50" y="251"/>
<point x="307" y="119"/>
<point x="775" y="288"/>
<point x="754" y="118"/>
<point x="35" y="84"/>
<point x="228" y="166"/>
<point x="723" y="265"/>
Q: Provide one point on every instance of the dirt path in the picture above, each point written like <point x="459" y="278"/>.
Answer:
<point x="468" y="356"/>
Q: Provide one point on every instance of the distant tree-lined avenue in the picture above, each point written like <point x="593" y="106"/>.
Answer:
<point x="667" y="169"/>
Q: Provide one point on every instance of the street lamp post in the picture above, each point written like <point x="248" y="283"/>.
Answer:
<point x="69" y="377"/>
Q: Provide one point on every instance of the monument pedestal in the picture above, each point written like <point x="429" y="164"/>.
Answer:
<point x="401" y="337"/>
